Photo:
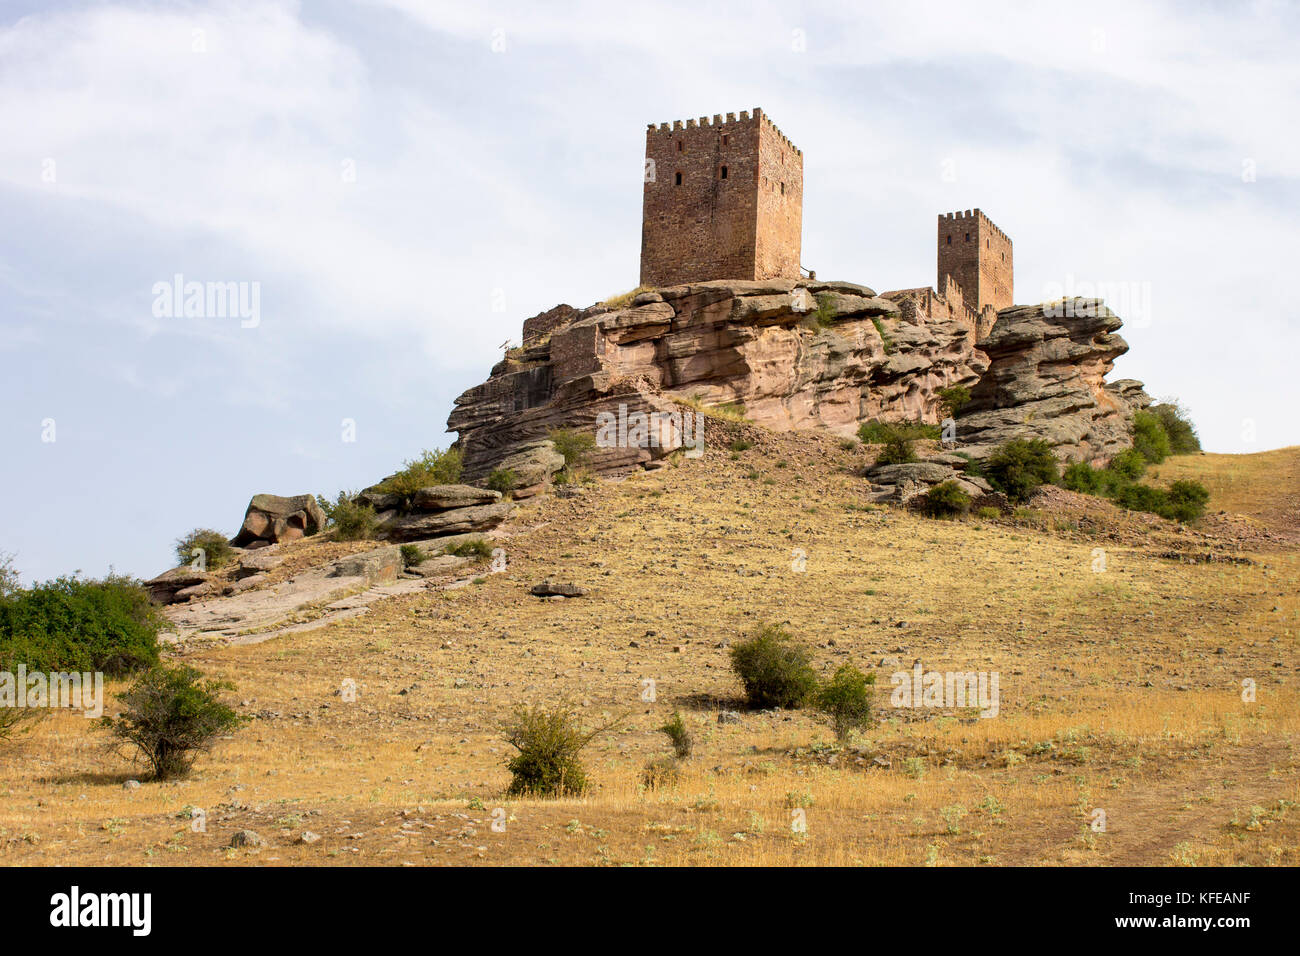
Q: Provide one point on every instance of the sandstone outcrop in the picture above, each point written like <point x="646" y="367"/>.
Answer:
<point x="272" y="518"/>
<point x="1046" y="379"/>
<point x="794" y="354"/>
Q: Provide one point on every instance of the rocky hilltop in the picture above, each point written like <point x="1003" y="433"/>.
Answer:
<point x="798" y="355"/>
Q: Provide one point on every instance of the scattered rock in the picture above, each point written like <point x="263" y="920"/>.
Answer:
<point x="455" y="521"/>
<point x="247" y="838"/>
<point x="131" y="785"/>
<point x="166" y="587"/>
<point x="553" y="589"/>
<point x="381" y="564"/>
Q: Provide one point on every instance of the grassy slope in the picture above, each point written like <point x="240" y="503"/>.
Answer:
<point x="1120" y="691"/>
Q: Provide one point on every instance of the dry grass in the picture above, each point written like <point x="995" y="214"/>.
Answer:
<point x="1120" y="691"/>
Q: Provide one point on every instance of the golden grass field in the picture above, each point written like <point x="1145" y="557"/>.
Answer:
<point x="1121" y="691"/>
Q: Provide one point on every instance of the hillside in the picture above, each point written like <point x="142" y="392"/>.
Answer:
<point x="1120" y="689"/>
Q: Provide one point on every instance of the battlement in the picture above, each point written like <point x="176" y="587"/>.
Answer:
<point x="717" y="120"/>
<point x="723" y="199"/>
<point x="977" y="215"/>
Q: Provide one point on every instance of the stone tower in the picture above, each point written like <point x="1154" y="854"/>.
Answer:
<point x="977" y="255"/>
<point x="723" y="200"/>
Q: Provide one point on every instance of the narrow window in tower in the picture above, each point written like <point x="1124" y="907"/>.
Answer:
<point x="783" y="189"/>
<point x="950" y="240"/>
<point x="723" y="173"/>
<point x="726" y="138"/>
<point x="679" y="146"/>
<point x="679" y="180"/>
<point x="968" y="237"/>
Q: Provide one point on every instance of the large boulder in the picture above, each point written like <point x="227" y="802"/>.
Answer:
<point x="534" y="464"/>
<point x="274" y="518"/>
<point x="377" y="566"/>
<point x="166" y="588"/>
<point x="446" y="497"/>
<point x="1046" y="380"/>
<point x="456" y="521"/>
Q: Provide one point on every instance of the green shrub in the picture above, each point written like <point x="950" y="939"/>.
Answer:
<point x="876" y="432"/>
<point x="412" y="555"/>
<point x="1187" y="500"/>
<point x="504" y="480"/>
<point x="349" y="519"/>
<point x="574" y="445"/>
<point x="945" y="500"/>
<point x="678" y="735"/>
<point x="1149" y="437"/>
<point x="1081" y="477"/>
<point x="215" y="549"/>
<point x="774" y="669"/>
<point x="897" y="451"/>
<point x="1019" y="466"/>
<point x="741" y="444"/>
<point x="952" y="399"/>
<point x="473" y="548"/>
<point x="549" y="741"/>
<point x="170" y="715"/>
<point x="988" y="512"/>
<point x="436" y="467"/>
<point x="1128" y="464"/>
<point x="847" y="699"/>
<point x="79" y="624"/>
<point x="1178" y="427"/>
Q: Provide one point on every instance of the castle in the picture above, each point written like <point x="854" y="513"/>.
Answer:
<point x="723" y="199"/>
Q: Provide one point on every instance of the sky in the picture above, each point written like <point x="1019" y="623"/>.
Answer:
<point x="393" y="186"/>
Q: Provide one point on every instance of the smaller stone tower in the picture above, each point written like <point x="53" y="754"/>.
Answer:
<point x="977" y="255"/>
<point x="723" y="199"/>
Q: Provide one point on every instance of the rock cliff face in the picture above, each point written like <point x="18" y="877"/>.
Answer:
<point x="806" y="355"/>
<point x="1046" y="379"/>
<point x="796" y="355"/>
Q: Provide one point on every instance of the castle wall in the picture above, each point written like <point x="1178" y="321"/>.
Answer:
<point x="715" y="208"/>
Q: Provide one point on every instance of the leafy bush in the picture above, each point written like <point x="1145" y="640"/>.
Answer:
<point x="215" y="547"/>
<point x="1187" y="500"/>
<point x="574" y="445"/>
<point x="550" y="741"/>
<point x="350" y="520"/>
<point x="846" y="698"/>
<point x="1182" y="501"/>
<point x="1149" y="437"/>
<point x="412" y="554"/>
<point x="1178" y="427"/>
<point x="953" y="398"/>
<point x="1081" y="477"/>
<point x="741" y="444"/>
<point x="678" y="735"/>
<point x="1128" y="464"/>
<point x="436" y="467"/>
<point x="504" y="480"/>
<point x="171" y="715"/>
<point x="897" y="451"/>
<point x="774" y="669"/>
<point x="473" y="548"/>
<point x="1019" y="466"/>
<point x="945" y="500"/>
<point x="876" y="432"/>
<point x="80" y="624"/>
